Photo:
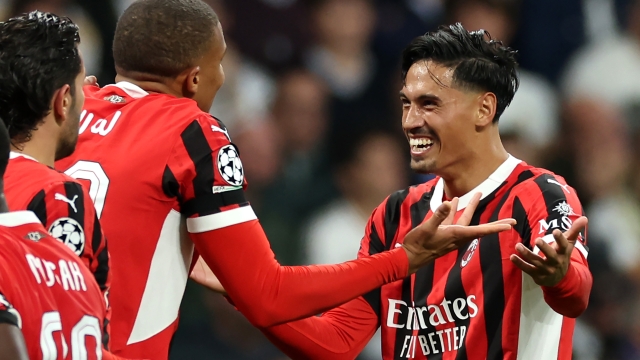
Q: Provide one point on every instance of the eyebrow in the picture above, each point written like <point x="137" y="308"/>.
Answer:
<point x="422" y="97"/>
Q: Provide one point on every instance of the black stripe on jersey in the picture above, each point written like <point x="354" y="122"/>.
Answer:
<point x="96" y="238"/>
<point x="211" y="203"/>
<point x="454" y="288"/>
<point x="493" y="281"/>
<point x="392" y="215"/>
<point x="403" y="318"/>
<point x="170" y="185"/>
<point x="375" y="247"/>
<point x="73" y="192"/>
<point x="199" y="151"/>
<point x="552" y="194"/>
<point x="101" y="274"/>
<point x="424" y="276"/>
<point x="38" y="206"/>
<point x="522" y="227"/>
<point x="7" y="317"/>
<point x="105" y="334"/>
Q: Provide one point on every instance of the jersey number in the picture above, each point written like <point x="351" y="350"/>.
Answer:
<point x="87" y="326"/>
<point x="94" y="173"/>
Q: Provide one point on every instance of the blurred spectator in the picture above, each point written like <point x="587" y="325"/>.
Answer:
<point x="247" y="95"/>
<point x="91" y="40"/>
<point x="549" y="32"/>
<point x="609" y="70"/>
<point x="300" y="117"/>
<point x="367" y="168"/>
<point x="343" y="58"/>
<point x="600" y="139"/>
<point x="219" y="332"/>
<point x="530" y="124"/>
<point x="271" y="32"/>
<point x="399" y="21"/>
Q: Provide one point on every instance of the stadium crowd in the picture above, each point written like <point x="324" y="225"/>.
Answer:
<point x="311" y="101"/>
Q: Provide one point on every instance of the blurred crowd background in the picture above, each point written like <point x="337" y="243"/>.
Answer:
<point x="311" y="99"/>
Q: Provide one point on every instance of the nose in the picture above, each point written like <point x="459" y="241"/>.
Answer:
<point x="412" y="118"/>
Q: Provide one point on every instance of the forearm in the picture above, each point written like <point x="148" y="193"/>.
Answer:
<point x="269" y="294"/>
<point x="341" y="334"/>
<point x="571" y="296"/>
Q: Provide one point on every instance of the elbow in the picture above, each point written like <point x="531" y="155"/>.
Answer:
<point x="265" y="316"/>
<point x="571" y="309"/>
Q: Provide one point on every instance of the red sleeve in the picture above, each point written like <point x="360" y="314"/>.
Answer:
<point x="206" y="175"/>
<point x="70" y="216"/>
<point x="340" y="333"/>
<point x="550" y="205"/>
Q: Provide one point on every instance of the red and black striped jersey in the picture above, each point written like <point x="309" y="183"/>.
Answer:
<point x="64" y="207"/>
<point x="473" y="303"/>
<point x="47" y="292"/>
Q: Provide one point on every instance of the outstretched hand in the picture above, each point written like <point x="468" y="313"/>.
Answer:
<point x="438" y="236"/>
<point x="550" y="269"/>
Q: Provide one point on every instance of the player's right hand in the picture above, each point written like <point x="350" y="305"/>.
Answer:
<point x="438" y="235"/>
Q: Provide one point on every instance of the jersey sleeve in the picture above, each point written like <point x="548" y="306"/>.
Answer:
<point x="67" y="212"/>
<point x="548" y="203"/>
<point x="205" y="174"/>
<point x="343" y="332"/>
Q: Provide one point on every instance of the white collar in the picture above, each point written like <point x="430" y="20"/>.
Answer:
<point x="132" y="90"/>
<point x="486" y="187"/>
<point x="18" y="218"/>
<point x="14" y="155"/>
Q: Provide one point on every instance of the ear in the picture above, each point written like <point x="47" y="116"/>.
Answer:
<point x="487" y="105"/>
<point x="61" y="104"/>
<point x="191" y="81"/>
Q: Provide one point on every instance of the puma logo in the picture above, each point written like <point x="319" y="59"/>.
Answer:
<point x="61" y="197"/>
<point x="564" y="187"/>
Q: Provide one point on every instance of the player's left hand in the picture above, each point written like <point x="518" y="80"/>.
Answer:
<point x="550" y="269"/>
<point x="203" y="275"/>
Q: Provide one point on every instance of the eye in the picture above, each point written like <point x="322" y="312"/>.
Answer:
<point x="429" y="103"/>
<point x="405" y="102"/>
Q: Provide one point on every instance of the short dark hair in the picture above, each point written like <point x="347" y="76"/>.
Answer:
<point x="5" y="149"/>
<point x="163" y="37"/>
<point x="479" y="62"/>
<point x="38" y="55"/>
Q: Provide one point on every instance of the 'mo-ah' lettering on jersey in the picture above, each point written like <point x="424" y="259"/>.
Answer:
<point x="65" y="209"/>
<point x="474" y="303"/>
<point x="47" y="293"/>
<point x="182" y="165"/>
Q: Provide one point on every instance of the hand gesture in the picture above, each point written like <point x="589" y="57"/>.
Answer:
<point x="91" y="80"/>
<point x="203" y="275"/>
<point x="550" y="269"/>
<point x="437" y="236"/>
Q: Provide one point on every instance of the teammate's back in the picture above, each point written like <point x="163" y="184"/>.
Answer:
<point x="48" y="290"/>
<point x="126" y="133"/>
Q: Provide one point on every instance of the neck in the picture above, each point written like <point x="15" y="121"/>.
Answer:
<point x="42" y="145"/>
<point x="151" y="85"/>
<point x="476" y="168"/>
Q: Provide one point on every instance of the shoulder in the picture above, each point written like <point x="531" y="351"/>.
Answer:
<point x="410" y="194"/>
<point x="543" y="183"/>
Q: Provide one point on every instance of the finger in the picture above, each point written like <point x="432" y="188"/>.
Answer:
<point x="437" y="218"/>
<point x="529" y="256"/>
<point x="575" y="229"/>
<point x="468" y="212"/>
<point x="452" y="213"/>
<point x="522" y="265"/>
<point x="478" y="231"/>
<point x="90" y="80"/>
<point x="548" y="251"/>
<point x="508" y="221"/>
<point x="565" y="246"/>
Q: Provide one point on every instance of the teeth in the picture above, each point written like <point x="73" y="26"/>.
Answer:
<point x="420" y="142"/>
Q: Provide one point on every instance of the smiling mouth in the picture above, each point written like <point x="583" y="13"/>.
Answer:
<point x="420" y="146"/>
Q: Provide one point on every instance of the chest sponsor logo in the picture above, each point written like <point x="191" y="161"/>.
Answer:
<point x="469" y="253"/>
<point x="444" y="316"/>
